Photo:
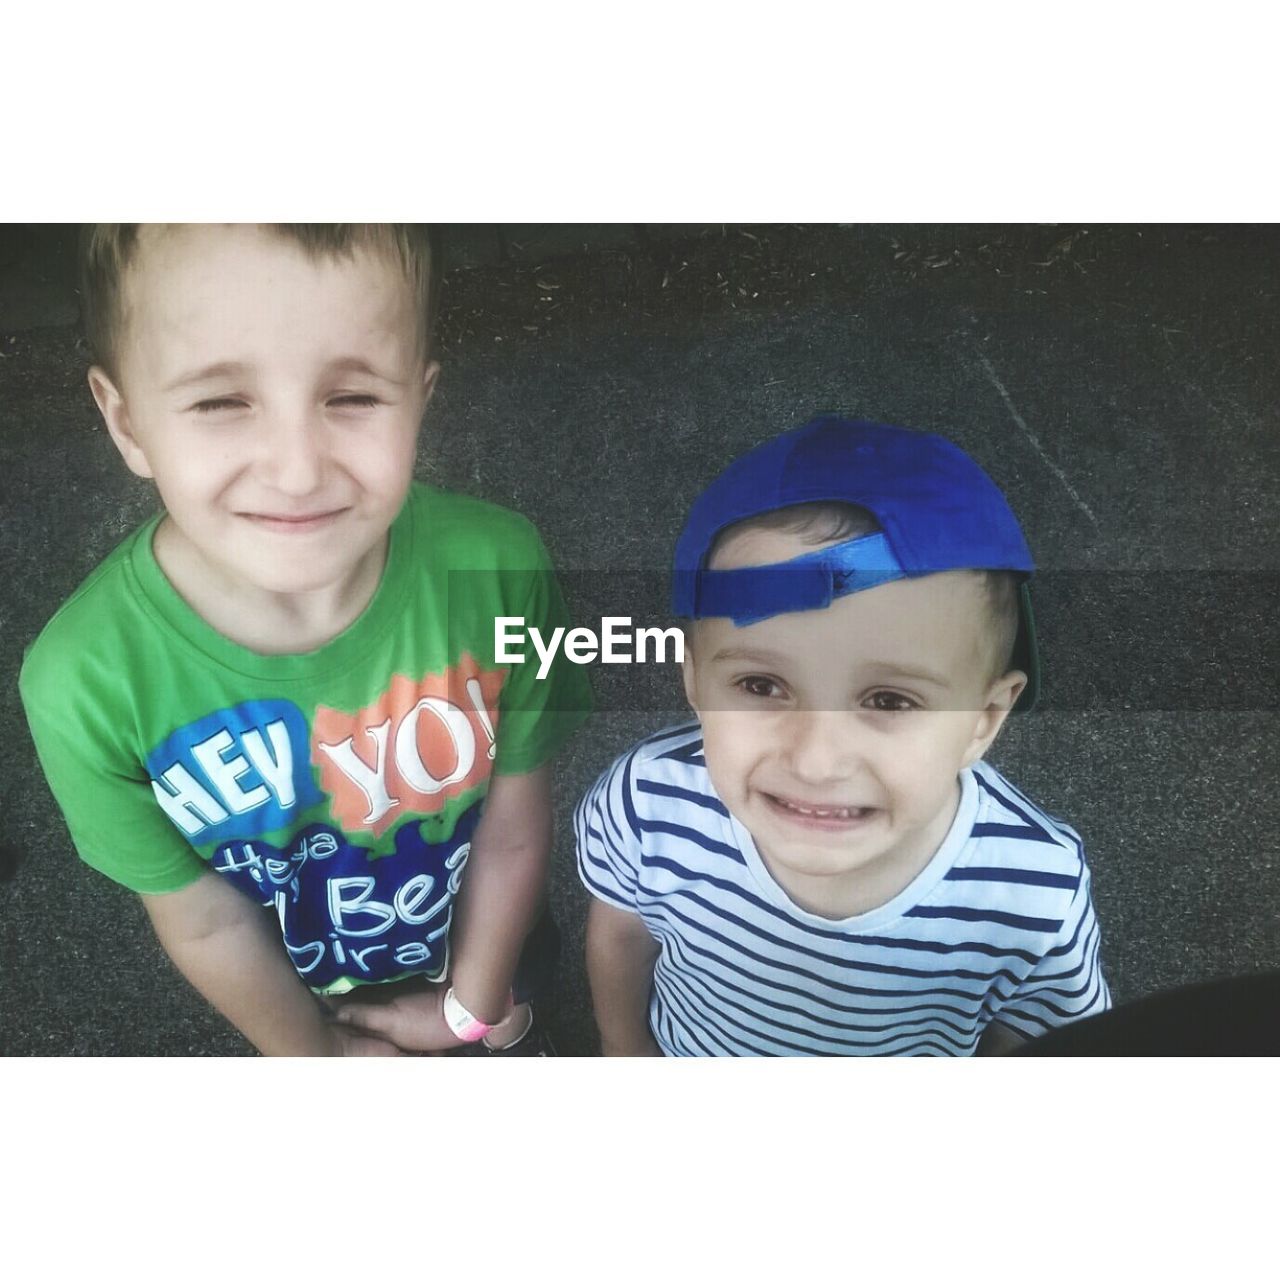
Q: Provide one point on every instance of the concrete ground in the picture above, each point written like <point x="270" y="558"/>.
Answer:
<point x="1119" y="382"/>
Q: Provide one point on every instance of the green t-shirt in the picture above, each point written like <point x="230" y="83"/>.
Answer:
<point x="340" y="787"/>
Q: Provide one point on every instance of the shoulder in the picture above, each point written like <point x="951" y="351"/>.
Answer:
<point x="70" y="654"/>
<point x="1012" y="830"/>
<point x="651" y="815"/>
<point x="672" y="753"/>
<point x="668" y="755"/>
<point x="472" y="533"/>
<point x="664" y="770"/>
<point x="1018" y="880"/>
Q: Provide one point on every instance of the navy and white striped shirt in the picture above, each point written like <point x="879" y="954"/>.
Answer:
<point x="999" y="925"/>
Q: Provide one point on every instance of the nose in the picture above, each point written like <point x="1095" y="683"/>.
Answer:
<point x="819" y="747"/>
<point x="295" y="453"/>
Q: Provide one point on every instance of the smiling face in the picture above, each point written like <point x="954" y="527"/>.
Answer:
<point x="836" y="736"/>
<point x="275" y="400"/>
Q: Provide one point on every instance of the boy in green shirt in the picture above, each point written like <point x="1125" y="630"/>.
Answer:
<point x="266" y="711"/>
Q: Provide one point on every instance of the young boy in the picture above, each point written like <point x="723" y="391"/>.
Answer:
<point x="274" y="710"/>
<point x="823" y="864"/>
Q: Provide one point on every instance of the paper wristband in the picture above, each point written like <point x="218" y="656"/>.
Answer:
<point x="463" y="1025"/>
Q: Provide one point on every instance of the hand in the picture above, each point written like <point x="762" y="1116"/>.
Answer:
<point x="412" y="1020"/>
<point x="349" y="1043"/>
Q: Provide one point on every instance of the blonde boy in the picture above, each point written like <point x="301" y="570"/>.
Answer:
<point x="265" y="711"/>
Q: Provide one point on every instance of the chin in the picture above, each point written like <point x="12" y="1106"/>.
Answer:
<point x="827" y="856"/>
<point x="821" y="863"/>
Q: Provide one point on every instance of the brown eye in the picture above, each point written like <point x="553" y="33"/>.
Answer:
<point x="891" y="702"/>
<point x="758" y="686"/>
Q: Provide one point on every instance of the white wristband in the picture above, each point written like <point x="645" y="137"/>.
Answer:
<point x="464" y="1025"/>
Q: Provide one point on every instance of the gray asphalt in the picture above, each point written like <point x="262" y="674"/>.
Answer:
<point x="1118" y="382"/>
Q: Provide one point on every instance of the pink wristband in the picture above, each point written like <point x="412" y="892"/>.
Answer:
<point x="464" y="1025"/>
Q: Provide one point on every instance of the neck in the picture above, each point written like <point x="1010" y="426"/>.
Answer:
<point x="264" y="621"/>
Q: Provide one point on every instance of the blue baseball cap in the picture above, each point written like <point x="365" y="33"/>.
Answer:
<point x="937" y="510"/>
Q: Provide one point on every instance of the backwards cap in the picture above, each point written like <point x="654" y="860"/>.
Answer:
<point x="937" y="509"/>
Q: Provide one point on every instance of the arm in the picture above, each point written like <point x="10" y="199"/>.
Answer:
<point x="228" y="949"/>
<point x="497" y="904"/>
<point x="502" y="891"/>
<point x="620" y="958"/>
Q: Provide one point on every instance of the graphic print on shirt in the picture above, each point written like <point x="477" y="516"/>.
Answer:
<point x="350" y="908"/>
<point x="419" y="743"/>
<point x="351" y="916"/>
<point x="236" y="773"/>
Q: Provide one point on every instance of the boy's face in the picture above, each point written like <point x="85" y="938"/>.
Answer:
<point x="274" y="399"/>
<point x="835" y="736"/>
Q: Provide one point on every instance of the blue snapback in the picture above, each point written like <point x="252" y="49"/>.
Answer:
<point x="937" y="510"/>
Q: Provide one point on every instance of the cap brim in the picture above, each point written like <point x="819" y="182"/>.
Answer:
<point x="1026" y="652"/>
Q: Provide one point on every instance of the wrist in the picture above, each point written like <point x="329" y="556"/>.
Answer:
<point x="465" y="1025"/>
<point x="481" y="1002"/>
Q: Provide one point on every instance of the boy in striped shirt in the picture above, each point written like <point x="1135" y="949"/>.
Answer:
<point x="824" y="864"/>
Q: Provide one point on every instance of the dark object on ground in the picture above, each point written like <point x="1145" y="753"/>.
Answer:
<point x="1234" y="1017"/>
<point x="535" y="1043"/>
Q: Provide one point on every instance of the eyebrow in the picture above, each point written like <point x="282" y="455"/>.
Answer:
<point x="912" y="673"/>
<point x="223" y="369"/>
<point x="762" y="656"/>
<point x="357" y="364"/>
<point x="237" y="369"/>
<point x="883" y="669"/>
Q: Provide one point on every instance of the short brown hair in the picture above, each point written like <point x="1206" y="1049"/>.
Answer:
<point x="818" y="523"/>
<point x="106" y="250"/>
<point x="811" y="522"/>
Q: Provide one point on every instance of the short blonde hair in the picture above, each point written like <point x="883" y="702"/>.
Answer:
<point x="107" y="248"/>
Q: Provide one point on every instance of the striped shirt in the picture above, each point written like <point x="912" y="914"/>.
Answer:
<point x="999" y="925"/>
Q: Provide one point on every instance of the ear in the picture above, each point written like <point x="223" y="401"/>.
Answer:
<point x="116" y="415"/>
<point x="1000" y="699"/>
<point x="429" y="378"/>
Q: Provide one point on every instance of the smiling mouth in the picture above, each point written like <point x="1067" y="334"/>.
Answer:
<point x="292" y="523"/>
<point x="832" y="816"/>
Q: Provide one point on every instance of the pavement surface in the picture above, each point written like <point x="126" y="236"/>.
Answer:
<point x="1118" y="382"/>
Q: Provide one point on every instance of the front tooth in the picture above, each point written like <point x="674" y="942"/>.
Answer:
<point x="812" y="812"/>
